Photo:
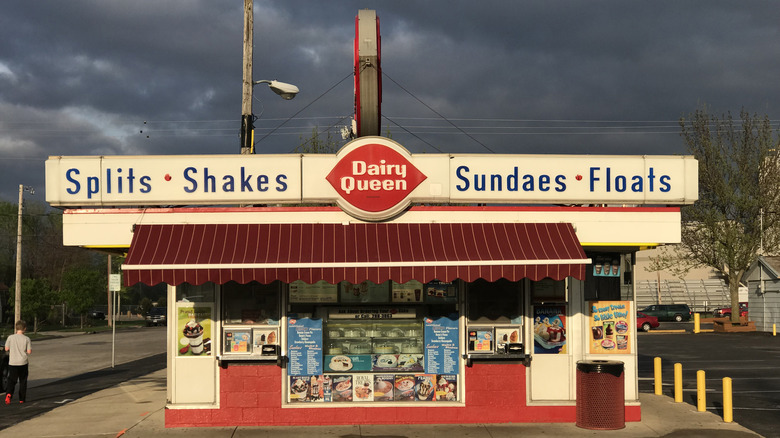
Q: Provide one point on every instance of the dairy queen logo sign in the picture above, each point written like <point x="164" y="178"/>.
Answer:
<point x="374" y="178"/>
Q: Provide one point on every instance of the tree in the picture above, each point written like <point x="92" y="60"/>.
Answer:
<point x="315" y="145"/>
<point x="739" y="171"/>
<point x="37" y="300"/>
<point x="81" y="288"/>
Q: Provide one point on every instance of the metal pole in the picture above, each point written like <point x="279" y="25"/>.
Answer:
<point x="18" y="297"/>
<point x="246" y="98"/>
<point x="658" y="376"/>
<point x="112" y="315"/>
<point x="108" y="292"/>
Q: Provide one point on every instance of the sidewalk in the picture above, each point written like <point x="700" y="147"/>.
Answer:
<point x="137" y="408"/>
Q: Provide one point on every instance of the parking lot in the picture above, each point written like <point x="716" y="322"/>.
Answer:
<point x="751" y="360"/>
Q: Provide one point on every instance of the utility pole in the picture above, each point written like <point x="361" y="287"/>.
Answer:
<point x="18" y="291"/>
<point x="247" y="124"/>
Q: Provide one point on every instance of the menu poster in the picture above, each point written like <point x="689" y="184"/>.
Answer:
<point x="550" y="329"/>
<point x="404" y="387"/>
<point x="304" y="346"/>
<point x="194" y="329"/>
<point x="237" y="341"/>
<point x="342" y="363"/>
<point x="363" y="387"/>
<point x="365" y="292"/>
<point x="383" y="387"/>
<point x="441" y="345"/>
<point x="480" y="340"/>
<point x="342" y="387"/>
<point x="447" y="387"/>
<point x="409" y="292"/>
<point x="319" y="292"/>
<point x="610" y="327"/>
<point x="425" y="387"/>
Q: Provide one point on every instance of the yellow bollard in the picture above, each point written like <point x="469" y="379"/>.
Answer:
<point x="657" y="365"/>
<point x="728" y="407"/>
<point x="701" y="392"/>
<point x="696" y="322"/>
<point x="678" y="383"/>
<point x="774" y="329"/>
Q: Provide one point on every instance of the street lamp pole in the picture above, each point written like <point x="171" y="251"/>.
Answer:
<point x="246" y="97"/>
<point x="18" y="291"/>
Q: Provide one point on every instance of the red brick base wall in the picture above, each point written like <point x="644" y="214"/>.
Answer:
<point x="250" y="395"/>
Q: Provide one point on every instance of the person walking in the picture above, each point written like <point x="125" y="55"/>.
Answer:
<point x="19" y="348"/>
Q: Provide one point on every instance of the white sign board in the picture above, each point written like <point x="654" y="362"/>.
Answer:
<point x="371" y="178"/>
<point x="115" y="282"/>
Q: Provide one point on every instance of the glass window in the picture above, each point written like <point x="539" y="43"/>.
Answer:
<point x="495" y="302"/>
<point x="203" y="293"/>
<point x="251" y="303"/>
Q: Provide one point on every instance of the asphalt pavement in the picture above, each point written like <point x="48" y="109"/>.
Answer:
<point x="135" y="407"/>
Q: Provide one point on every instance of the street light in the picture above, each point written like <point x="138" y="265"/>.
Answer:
<point x="287" y="91"/>
<point x="18" y="298"/>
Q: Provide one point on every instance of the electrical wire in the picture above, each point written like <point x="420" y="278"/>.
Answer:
<point x="302" y="109"/>
<point x="437" y="113"/>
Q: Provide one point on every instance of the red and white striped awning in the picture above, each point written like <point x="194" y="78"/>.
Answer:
<point x="195" y="254"/>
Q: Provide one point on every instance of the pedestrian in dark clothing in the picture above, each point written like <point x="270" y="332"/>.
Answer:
<point x="19" y="348"/>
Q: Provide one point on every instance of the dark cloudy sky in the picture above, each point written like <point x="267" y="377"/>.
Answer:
<point x="557" y="77"/>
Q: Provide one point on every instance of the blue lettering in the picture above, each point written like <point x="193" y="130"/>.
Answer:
<point x="460" y="176"/>
<point x="119" y="181"/>
<point x="209" y="179"/>
<point x="638" y="185"/>
<point x="281" y="180"/>
<point x="476" y="183"/>
<point x="620" y="183"/>
<point x="145" y="183"/>
<point x="665" y="186"/>
<point x="528" y="185"/>
<point x="544" y="183"/>
<point x="130" y="179"/>
<point x="230" y="183"/>
<point x="593" y="178"/>
<point x="77" y="186"/>
<point x="192" y="181"/>
<point x="93" y="186"/>
<point x="560" y="180"/>
<point x="262" y="183"/>
<point x="245" y="187"/>
<point x="495" y="183"/>
<point x="650" y="179"/>
<point x="108" y="180"/>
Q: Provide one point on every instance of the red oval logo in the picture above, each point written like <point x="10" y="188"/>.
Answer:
<point x="374" y="177"/>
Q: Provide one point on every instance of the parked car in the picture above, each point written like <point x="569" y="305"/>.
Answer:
<point x="669" y="312"/>
<point x="646" y="322"/>
<point x="4" y="370"/>
<point x="726" y="311"/>
<point x="156" y="316"/>
<point x="97" y="314"/>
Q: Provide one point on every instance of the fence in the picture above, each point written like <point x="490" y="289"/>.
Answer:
<point x="699" y="295"/>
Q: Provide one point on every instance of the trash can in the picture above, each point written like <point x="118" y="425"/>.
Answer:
<point x="600" y="395"/>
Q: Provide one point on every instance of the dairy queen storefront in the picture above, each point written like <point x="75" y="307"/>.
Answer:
<point x="431" y="288"/>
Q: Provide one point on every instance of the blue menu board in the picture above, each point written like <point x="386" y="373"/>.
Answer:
<point x="304" y="346"/>
<point x="441" y="346"/>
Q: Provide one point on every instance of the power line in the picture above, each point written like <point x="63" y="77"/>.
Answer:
<point x="437" y="113"/>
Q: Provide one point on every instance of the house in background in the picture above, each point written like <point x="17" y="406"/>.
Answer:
<point x="763" y="283"/>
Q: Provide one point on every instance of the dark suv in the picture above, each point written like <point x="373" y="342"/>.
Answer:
<point x="156" y="316"/>
<point x="669" y="312"/>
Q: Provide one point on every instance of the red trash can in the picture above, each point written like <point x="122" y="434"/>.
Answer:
<point x="600" y="395"/>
